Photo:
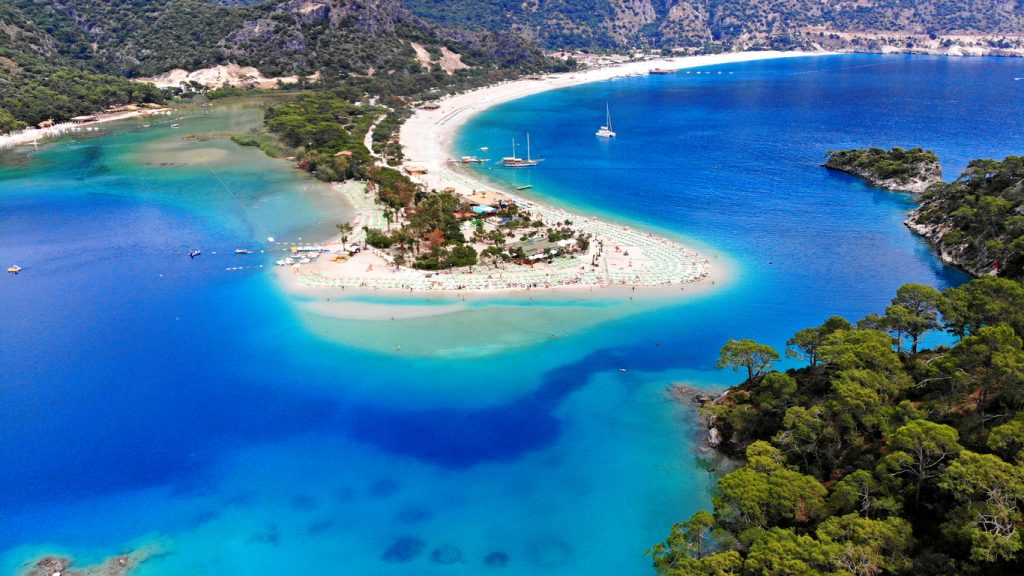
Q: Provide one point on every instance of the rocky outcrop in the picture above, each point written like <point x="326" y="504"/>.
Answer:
<point x="630" y="16"/>
<point x="692" y="396"/>
<point x="714" y="438"/>
<point x="898" y="170"/>
<point x="122" y="565"/>
<point x="952" y="254"/>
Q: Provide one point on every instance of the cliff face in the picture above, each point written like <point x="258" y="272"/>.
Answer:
<point x="959" y="254"/>
<point x="898" y="170"/>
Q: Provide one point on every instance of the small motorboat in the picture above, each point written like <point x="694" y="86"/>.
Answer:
<point x="175" y="125"/>
<point x="242" y="251"/>
<point x="281" y="262"/>
<point x="14" y="269"/>
<point x="194" y="253"/>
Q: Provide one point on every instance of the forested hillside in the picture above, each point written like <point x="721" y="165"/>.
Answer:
<point x="56" y="47"/>
<point x="37" y="82"/>
<point x="726" y="23"/>
<point x="876" y="457"/>
<point x="278" y="37"/>
<point x="57" y="58"/>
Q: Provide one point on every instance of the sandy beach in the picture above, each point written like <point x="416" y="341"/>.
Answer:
<point x="427" y="136"/>
<point x="621" y="258"/>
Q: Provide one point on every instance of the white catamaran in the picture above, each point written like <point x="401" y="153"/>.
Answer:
<point x="514" y="161"/>
<point x="606" y="130"/>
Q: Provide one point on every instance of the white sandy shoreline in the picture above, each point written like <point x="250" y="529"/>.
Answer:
<point x="631" y="259"/>
<point x="427" y="136"/>
<point x="34" y="135"/>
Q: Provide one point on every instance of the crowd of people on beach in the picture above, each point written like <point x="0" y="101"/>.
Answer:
<point x="619" y="256"/>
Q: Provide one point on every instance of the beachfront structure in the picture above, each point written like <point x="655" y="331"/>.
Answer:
<point x="84" y="119"/>
<point x="538" y="249"/>
<point x="415" y="170"/>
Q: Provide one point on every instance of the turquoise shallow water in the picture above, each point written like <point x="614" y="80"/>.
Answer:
<point x="150" y="398"/>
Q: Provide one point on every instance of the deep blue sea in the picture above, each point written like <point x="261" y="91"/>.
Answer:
<point x="150" y="399"/>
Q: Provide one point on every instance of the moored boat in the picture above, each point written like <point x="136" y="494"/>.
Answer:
<point x="514" y="161"/>
<point x="606" y="130"/>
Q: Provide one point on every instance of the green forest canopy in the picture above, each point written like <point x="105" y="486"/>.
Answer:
<point x="876" y="457"/>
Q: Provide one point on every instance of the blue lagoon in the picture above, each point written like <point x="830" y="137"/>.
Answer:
<point x="150" y="399"/>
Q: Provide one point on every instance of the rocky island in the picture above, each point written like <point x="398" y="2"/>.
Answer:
<point x="898" y="170"/>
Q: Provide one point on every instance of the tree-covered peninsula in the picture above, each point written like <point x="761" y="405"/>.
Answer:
<point x="977" y="221"/>
<point x="876" y="457"/>
<point x="326" y="132"/>
<point x="899" y="169"/>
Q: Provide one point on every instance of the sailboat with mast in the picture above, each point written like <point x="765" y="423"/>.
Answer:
<point x="514" y="161"/>
<point x="606" y="130"/>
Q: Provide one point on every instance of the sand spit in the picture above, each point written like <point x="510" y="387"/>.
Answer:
<point x="618" y="256"/>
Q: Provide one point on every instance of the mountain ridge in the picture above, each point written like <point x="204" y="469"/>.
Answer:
<point x="730" y="24"/>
